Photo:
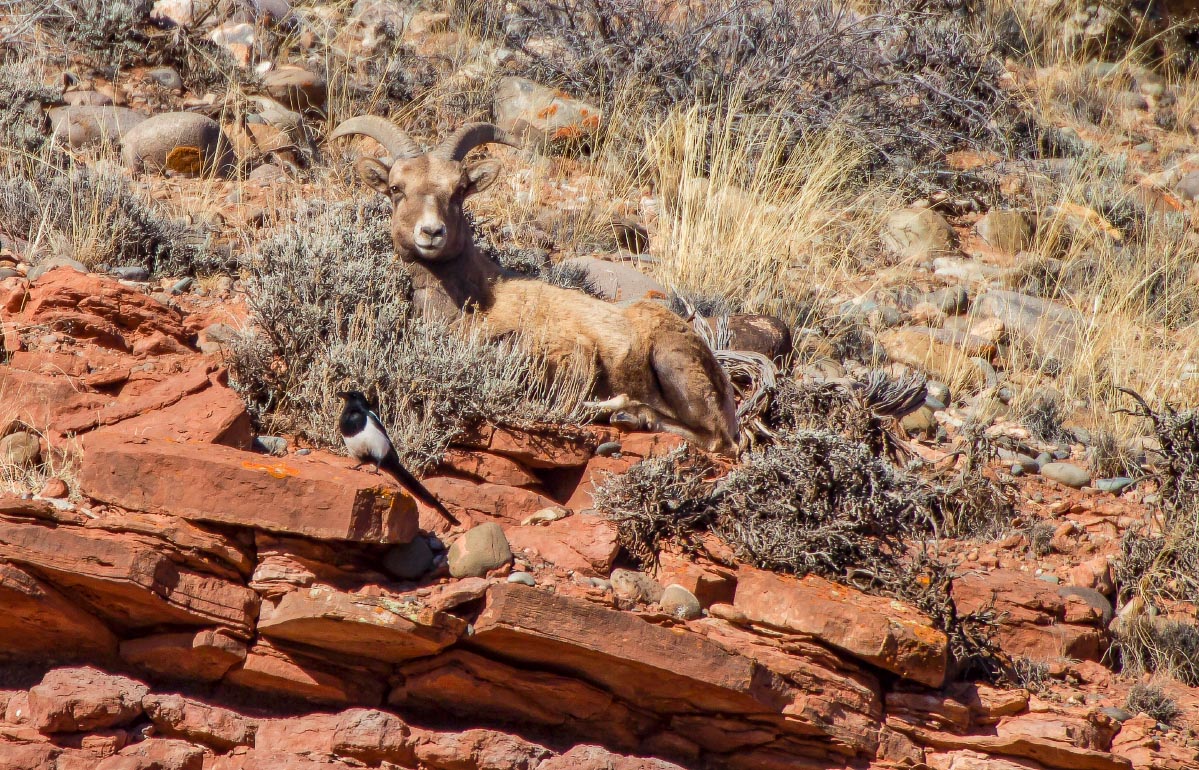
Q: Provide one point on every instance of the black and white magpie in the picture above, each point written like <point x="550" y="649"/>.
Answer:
<point x="368" y="442"/>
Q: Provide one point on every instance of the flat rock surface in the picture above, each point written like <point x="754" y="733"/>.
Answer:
<point x="387" y="628"/>
<point x="298" y="495"/>
<point x="880" y="631"/>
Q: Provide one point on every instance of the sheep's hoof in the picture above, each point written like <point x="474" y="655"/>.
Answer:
<point x="626" y="421"/>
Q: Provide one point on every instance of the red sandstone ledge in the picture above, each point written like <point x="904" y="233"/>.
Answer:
<point x="307" y="496"/>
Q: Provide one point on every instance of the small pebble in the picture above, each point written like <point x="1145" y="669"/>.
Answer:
<point x="167" y="78"/>
<point x="728" y="612"/>
<point x="937" y="391"/>
<point x="608" y="449"/>
<point x="131" y="273"/>
<point x="1115" y="484"/>
<point x="1050" y="579"/>
<point x="272" y="445"/>
<point x="303" y="452"/>
<point x="55" y="488"/>
<point x="524" y="578"/>
<point x="680" y="603"/>
<point x="182" y="285"/>
<point x="1066" y="473"/>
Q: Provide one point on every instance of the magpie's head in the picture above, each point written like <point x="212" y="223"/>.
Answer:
<point x="353" y="397"/>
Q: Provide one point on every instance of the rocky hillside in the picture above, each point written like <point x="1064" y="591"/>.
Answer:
<point x="960" y="244"/>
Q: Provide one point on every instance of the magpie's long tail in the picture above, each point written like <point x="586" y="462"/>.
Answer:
<point x="410" y="482"/>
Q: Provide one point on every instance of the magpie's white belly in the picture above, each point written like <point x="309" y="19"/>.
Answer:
<point x="370" y="443"/>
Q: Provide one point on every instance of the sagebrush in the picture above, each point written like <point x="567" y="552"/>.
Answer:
<point x="331" y="312"/>
<point x="94" y="215"/>
<point x="906" y="79"/>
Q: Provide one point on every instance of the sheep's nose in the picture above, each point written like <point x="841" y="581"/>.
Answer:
<point x="433" y="231"/>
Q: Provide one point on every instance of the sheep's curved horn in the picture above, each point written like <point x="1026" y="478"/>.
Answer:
<point x="458" y="144"/>
<point x="383" y="131"/>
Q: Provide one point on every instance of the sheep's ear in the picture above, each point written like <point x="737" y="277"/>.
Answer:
<point x="373" y="174"/>
<point x="481" y="175"/>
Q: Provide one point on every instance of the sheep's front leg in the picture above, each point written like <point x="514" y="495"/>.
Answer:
<point x="607" y="407"/>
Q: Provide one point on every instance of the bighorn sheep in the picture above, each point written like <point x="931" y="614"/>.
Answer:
<point x="652" y="368"/>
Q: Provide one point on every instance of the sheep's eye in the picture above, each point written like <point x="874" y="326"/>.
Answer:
<point x="397" y="191"/>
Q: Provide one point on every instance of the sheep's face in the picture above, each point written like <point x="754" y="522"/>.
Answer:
<point x="427" y="193"/>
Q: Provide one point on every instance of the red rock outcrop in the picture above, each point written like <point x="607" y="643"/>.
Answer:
<point x="102" y="311"/>
<point x="300" y="495"/>
<point x="251" y="591"/>
<point x="1036" y="623"/>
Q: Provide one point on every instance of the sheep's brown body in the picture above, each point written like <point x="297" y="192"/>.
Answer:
<point x="648" y="362"/>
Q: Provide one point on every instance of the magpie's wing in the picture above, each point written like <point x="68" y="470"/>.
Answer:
<point x="370" y="415"/>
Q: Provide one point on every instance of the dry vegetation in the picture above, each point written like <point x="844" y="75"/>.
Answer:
<point x="769" y="141"/>
<point x="332" y="314"/>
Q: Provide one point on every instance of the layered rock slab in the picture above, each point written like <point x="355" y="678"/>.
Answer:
<point x="1034" y="616"/>
<point x="880" y="631"/>
<point x="38" y="620"/>
<point x="130" y="580"/>
<point x="386" y="628"/>
<point x="637" y="674"/>
<point x="295" y="495"/>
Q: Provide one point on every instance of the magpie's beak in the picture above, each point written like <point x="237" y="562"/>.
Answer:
<point x="343" y="395"/>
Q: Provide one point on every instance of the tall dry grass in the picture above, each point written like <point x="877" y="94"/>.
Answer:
<point x="745" y="216"/>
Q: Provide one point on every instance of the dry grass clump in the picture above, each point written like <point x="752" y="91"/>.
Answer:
<point x="1157" y="645"/>
<point x="814" y="502"/>
<point x="22" y="97"/>
<point x="60" y="462"/>
<point x="902" y="78"/>
<point x="1147" y="699"/>
<point x="1161" y="564"/>
<point x="746" y="218"/>
<point x="331" y="313"/>
<point x="93" y="215"/>
<point x="1119" y="271"/>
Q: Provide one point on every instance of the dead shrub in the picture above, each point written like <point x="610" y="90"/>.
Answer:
<point x="1110" y="457"/>
<point x="331" y="312"/>
<point x="819" y="503"/>
<point x="22" y="98"/>
<point x="1032" y="675"/>
<point x="1160" y="563"/>
<point x="814" y="502"/>
<point x="114" y="28"/>
<point x="906" y="79"/>
<point x="97" y="218"/>
<point x="1157" y="645"/>
<point x="1044" y="417"/>
<point x="1147" y="699"/>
